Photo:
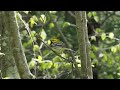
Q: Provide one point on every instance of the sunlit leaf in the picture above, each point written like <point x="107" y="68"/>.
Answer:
<point x="93" y="65"/>
<point x="57" y="59"/>
<point x="32" y="64"/>
<point x="101" y="55"/>
<point x="98" y="30"/>
<point x="111" y="35"/>
<point x="35" y="18"/>
<point x="43" y="66"/>
<point x="2" y="53"/>
<point x="55" y="71"/>
<point x="55" y="65"/>
<point x="68" y="66"/>
<point x="43" y="18"/>
<point x="103" y="36"/>
<point x="93" y="38"/>
<point x="24" y="32"/>
<point x="79" y="65"/>
<point x="118" y="47"/>
<point x="49" y="65"/>
<point x="89" y="14"/>
<point x="49" y="42"/>
<point x="26" y="12"/>
<point x="113" y="49"/>
<point x="7" y="78"/>
<point x="39" y="58"/>
<point x="118" y="74"/>
<point x="33" y="33"/>
<point x="36" y="48"/>
<point x="96" y="18"/>
<point x="43" y="34"/>
<point x="32" y="22"/>
<point x="65" y="24"/>
<point x="94" y="13"/>
<point x="78" y="61"/>
<point x="51" y="25"/>
<point x="53" y="12"/>
<point x="94" y="48"/>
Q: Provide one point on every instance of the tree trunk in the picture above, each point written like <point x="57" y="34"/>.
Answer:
<point x="16" y="50"/>
<point x="7" y="62"/>
<point x="89" y="67"/>
<point x="84" y="45"/>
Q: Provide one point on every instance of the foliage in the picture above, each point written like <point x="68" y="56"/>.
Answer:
<point x="45" y="64"/>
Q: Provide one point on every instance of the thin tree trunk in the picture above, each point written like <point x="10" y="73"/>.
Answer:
<point x="89" y="67"/>
<point x="16" y="45"/>
<point x="84" y="45"/>
<point x="7" y="62"/>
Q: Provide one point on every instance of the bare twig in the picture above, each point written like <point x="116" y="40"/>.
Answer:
<point x="71" y="14"/>
<point x="111" y="14"/>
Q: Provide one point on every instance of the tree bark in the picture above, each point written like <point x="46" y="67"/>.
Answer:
<point x="17" y="51"/>
<point x="7" y="62"/>
<point x="84" y="45"/>
<point x="88" y="45"/>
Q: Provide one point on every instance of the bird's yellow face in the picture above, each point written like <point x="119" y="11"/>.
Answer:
<point x="56" y="42"/>
<point x="57" y="45"/>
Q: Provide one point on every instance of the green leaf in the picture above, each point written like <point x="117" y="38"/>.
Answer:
<point x="118" y="47"/>
<point x="96" y="18"/>
<point x="43" y="65"/>
<point x="26" y="12"/>
<point x="32" y="64"/>
<point x="4" y="43"/>
<point x="98" y="30"/>
<point x="43" y="34"/>
<point x="113" y="49"/>
<point x="7" y="78"/>
<point x="53" y="12"/>
<point x="33" y="21"/>
<point x="39" y="58"/>
<point x="78" y="61"/>
<point x="55" y="65"/>
<point x="118" y="74"/>
<point x="35" y="48"/>
<point x="92" y="55"/>
<point x="65" y="24"/>
<point x="93" y="38"/>
<point x="111" y="35"/>
<point x="33" y="33"/>
<point x="79" y="65"/>
<point x="49" y="65"/>
<point x="94" y="13"/>
<point x="2" y="53"/>
<point x="103" y="36"/>
<point x="101" y="55"/>
<point x="24" y="32"/>
<point x="51" y="25"/>
<point x="57" y="59"/>
<point x="43" y="18"/>
<point x="49" y="42"/>
<point x="54" y="71"/>
<point x="89" y="14"/>
<point x="68" y="66"/>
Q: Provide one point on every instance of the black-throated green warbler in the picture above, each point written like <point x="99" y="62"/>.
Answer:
<point x="57" y="45"/>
